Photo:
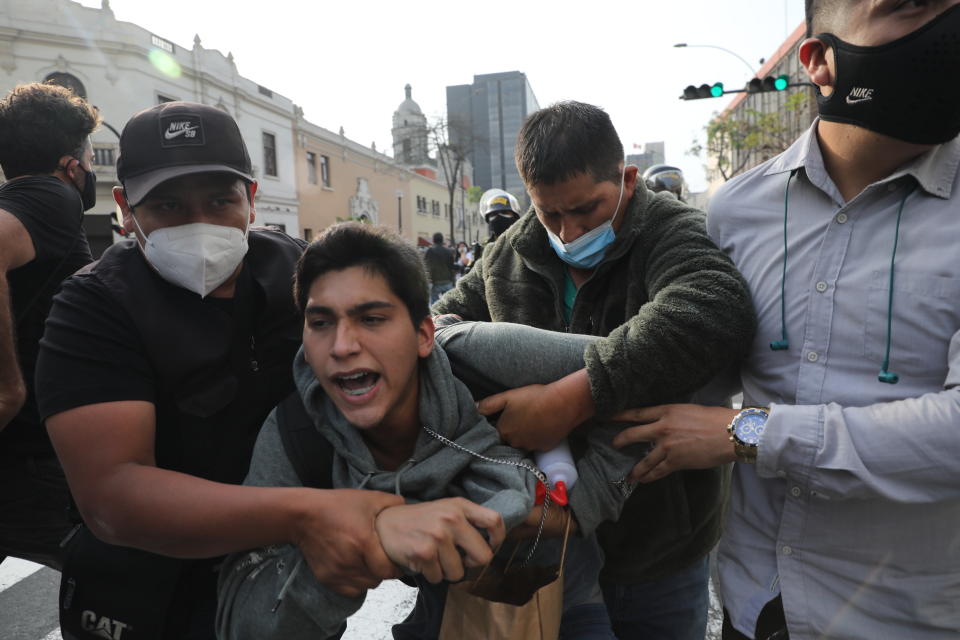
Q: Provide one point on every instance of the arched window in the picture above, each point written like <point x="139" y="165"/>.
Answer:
<point x="67" y="81"/>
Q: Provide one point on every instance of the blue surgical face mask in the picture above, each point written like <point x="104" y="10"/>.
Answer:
<point x="588" y="250"/>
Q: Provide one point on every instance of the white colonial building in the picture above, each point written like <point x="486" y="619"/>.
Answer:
<point x="122" y="68"/>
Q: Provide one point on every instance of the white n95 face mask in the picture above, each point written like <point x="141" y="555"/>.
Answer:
<point x="198" y="257"/>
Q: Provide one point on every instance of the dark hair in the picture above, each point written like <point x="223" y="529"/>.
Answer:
<point x="567" y="139"/>
<point x="39" y="124"/>
<point x="376" y="249"/>
<point x="438" y="238"/>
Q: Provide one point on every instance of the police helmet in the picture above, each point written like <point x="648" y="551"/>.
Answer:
<point x="496" y="201"/>
<point x="663" y="177"/>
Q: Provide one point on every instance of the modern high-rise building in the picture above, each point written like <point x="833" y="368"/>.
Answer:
<point x="485" y="118"/>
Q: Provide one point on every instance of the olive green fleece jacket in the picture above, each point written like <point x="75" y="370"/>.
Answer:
<point x="674" y="312"/>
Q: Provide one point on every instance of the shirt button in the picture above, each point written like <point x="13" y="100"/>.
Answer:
<point x="812" y="356"/>
<point x="841" y="218"/>
<point x="795" y="492"/>
<point x="822" y="286"/>
<point x="787" y="550"/>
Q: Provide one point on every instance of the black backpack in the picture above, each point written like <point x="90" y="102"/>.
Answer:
<point x="309" y="452"/>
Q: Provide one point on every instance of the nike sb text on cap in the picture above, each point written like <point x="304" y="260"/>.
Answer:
<point x="175" y="139"/>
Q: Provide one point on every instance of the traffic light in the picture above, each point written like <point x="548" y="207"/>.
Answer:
<point x="703" y="91"/>
<point x="769" y="83"/>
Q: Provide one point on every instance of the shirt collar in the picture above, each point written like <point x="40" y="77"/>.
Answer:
<point x="935" y="170"/>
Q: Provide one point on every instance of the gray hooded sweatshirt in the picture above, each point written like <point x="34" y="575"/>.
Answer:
<point x="489" y="357"/>
<point x="252" y="582"/>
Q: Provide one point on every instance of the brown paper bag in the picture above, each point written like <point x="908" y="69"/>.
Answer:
<point x="498" y="605"/>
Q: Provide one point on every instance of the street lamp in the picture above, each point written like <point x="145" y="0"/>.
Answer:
<point x="399" y="212"/>
<point x="711" y="46"/>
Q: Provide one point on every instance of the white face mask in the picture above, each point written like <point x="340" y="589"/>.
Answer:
<point x="198" y="257"/>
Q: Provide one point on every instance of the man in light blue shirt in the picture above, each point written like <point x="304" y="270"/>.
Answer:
<point x="844" y="517"/>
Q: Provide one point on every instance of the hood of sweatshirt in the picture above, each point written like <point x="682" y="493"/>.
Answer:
<point x="435" y="470"/>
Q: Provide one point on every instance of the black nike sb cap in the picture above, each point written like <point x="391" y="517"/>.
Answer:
<point x="175" y="139"/>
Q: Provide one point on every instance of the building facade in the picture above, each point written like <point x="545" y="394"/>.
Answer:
<point x="339" y="179"/>
<point x="485" y="118"/>
<point x="122" y="68"/>
<point x="309" y="177"/>
<point x="430" y="200"/>
<point x="771" y="120"/>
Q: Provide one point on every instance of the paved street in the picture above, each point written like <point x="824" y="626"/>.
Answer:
<point x="28" y="606"/>
<point x="28" y="601"/>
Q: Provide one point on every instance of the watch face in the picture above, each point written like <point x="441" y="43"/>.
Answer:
<point x="750" y="427"/>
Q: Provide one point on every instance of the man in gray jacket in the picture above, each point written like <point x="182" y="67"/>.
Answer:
<point x="598" y="254"/>
<point x="396" y="420"/>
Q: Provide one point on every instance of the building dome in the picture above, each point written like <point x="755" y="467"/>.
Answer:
<point x="409" y="107"/>
<point x="410" y="138"/>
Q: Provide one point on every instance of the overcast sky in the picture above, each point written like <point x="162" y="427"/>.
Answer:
<point x="346" y="61"/>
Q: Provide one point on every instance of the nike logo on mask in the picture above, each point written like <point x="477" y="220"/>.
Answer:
<point x="859" y="94"/>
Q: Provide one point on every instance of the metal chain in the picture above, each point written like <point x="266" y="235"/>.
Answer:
<point x="523" y="464"/>
<point x="624" y="486"/>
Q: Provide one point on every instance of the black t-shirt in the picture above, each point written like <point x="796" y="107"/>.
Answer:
<point x="52" y="213"/>
<point x="212" y="368"/>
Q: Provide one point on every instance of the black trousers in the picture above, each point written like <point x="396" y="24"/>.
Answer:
<point x="34" y="508"/>
<point x="771" y="624"/>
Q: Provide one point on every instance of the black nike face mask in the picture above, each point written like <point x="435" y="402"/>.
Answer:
<point x="89" y="192"/>
<point x="906" y="89"/>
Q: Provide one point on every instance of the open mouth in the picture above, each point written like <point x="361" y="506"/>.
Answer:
<point x="357" y="384"/>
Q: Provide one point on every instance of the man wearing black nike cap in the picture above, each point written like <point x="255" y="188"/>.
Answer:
<point x="158" y="366"/>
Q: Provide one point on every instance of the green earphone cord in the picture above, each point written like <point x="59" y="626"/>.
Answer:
<point x="783" y="344"/>
<point x="888" y="376"/>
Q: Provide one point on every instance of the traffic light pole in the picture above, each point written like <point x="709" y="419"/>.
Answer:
<point x="717" y="90"/>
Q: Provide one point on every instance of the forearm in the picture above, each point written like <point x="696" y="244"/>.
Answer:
<point x="491" y="357"/>
<point x="674" y="345"/>
<point x="507" y="489"/>
<point x="180" y="515"/>
<point x="697" y="320"/>
<point x="574" y="392"/>
<point x="904" y="451"/>
<point x="602" y="487"/>
<point x="13" y="392"/>
<point x="249" y="604"/>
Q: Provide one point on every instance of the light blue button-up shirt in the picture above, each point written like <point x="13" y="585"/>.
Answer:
<point x="852" y="511"/>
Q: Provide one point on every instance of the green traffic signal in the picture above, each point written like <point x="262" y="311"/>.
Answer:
<point x="754" y="85"/>
<point x="768" y="83"/>
<point x="694" y="92"/>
